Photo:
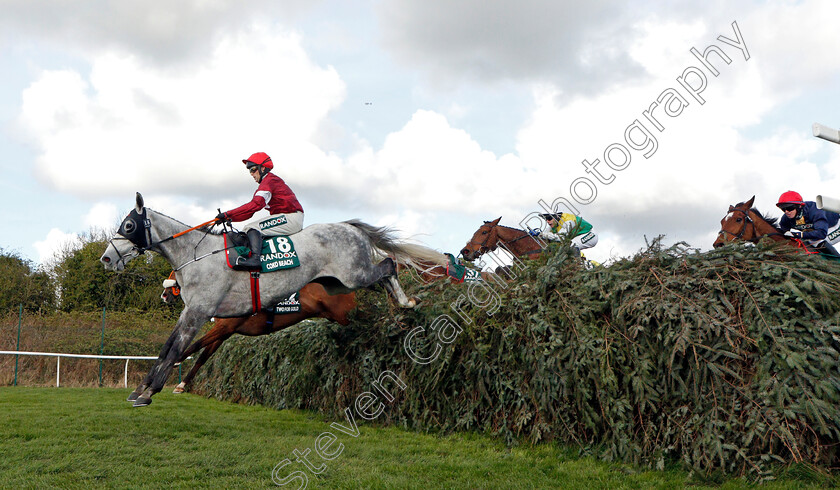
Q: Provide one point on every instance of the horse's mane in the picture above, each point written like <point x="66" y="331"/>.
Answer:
<point x="206" y="229"/>
<point x="769" y="219"/>
<point x="507" y="227"/>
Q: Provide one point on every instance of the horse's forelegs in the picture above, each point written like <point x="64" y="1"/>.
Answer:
<point x="164" y="351"/>
<point x="186" y="328"/>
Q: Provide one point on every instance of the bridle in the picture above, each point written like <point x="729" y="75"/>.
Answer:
<point x="482" y="247"/>
<point x="756" y="237"/>
<point x="747" y="220"/>
<point x="136" y="228"/>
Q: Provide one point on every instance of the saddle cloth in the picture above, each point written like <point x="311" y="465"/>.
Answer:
<point x="278" y="252"/>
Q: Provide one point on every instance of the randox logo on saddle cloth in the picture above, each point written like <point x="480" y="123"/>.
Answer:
<point x="278" y="253"/>
<point x="289" y="305"/>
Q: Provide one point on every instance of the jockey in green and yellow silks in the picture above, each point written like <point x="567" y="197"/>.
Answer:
<point x="566" y="224"/>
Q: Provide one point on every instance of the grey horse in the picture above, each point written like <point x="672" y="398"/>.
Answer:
<point x="340" y="256"/>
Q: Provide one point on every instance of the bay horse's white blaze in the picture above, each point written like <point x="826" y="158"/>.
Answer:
<point x="340" y="256"/>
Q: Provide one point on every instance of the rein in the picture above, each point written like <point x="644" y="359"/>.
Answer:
<point x="129" y="230"/>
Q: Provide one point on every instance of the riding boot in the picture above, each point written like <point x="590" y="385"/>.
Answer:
<point x="253" y="261"/>
<point x="829" y="249"/>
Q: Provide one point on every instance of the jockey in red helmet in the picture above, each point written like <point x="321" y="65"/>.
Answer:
<point x="286" y="213"/>
<point x="803" y="220"/>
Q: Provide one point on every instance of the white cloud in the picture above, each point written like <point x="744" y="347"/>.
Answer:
<point x="55" y="242"/>
<point x="102" y="216"/>
<point x="130" y="126"/>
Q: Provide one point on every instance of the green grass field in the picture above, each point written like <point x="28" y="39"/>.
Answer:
<point x="86" y="437"/>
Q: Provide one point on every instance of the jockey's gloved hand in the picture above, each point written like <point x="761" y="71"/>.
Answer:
<point x="794" y="234"/>
<point x="534" y="232"/>
<point x="221" y="217"/>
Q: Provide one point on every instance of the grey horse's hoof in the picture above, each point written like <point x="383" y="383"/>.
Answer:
<point x="142" y="401"/>
<point x="133" y="396"/>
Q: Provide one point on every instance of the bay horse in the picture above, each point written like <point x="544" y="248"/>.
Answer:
<point x="314" y="303"/>
<point x="489" y="235"/>
<point x="744" y="222"/>
<point x="339" y="256"/>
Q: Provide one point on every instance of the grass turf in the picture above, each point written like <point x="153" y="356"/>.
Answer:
<point x="84" y="437"/>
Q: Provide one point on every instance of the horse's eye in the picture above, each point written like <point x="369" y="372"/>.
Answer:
<point x="737" y="220"/>
<point x="128" y="226"/>
<point x="483" y="232"/>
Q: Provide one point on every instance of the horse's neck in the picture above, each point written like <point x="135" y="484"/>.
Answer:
<point x="763" y="228"/>
<point x="515" y="240"/>
<point x="184" y="248"/>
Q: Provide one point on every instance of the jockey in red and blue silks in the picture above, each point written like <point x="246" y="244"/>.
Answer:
<point x="286" y="213"/>
<point x="803" y="220"/>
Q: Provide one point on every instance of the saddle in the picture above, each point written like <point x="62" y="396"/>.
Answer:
<point x="278" y="252"/>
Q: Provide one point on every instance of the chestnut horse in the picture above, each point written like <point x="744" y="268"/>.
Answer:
<point x="744" y="222"/>
<point x="491" y="234"/>
<point x="314" y="303"/>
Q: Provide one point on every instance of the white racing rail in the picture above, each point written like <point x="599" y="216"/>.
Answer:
<point x="84" y="356"/>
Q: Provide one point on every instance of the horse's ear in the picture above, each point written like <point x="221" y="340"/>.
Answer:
<point x="750" y="202"/>
<point x="139" y="203"/>
<point x="496" y="221"/>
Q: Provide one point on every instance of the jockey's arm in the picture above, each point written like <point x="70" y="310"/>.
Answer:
<point x="248" y="209"/>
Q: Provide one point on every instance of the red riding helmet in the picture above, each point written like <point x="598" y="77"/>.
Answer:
<point x="790" y="197"/>
<point x="259" y="159"/>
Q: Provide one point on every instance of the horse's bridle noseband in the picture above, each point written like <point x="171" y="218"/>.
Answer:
<point x="747" y="219"/>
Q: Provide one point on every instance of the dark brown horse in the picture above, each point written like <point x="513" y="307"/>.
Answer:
<point x="488" y="237"/>
<point x="314" y="303"/>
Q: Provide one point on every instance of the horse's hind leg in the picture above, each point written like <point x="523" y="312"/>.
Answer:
<point x="208" y="351"/>
<point x="392" y="285"/>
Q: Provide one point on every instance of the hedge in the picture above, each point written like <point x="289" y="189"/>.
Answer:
<point x="725" y="360"/>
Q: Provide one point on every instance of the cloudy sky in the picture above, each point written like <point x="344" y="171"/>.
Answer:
<point x="428" y="116"/>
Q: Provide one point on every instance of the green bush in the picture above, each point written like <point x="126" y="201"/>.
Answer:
<point x="21" y="284"/>
<point x="725" y="360"/>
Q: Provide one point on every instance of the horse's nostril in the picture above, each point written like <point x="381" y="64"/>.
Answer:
<point x="106" y="259"/>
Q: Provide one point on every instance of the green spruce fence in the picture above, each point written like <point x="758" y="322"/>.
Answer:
<point x="725" y="360"/>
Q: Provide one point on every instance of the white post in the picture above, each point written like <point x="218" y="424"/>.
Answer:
<point x="57" y="371"/>
<point x="126" y="373"/>
<point x="826" y="133"/>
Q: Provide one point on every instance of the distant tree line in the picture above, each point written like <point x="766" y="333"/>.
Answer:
<point x="75" y="280"/>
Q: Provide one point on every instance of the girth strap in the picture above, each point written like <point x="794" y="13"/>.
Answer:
<point x="256" y="304"/>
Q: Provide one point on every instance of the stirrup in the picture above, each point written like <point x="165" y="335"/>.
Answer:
<point x="247" y="264"/>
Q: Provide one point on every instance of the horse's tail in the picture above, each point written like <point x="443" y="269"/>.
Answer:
<point x="383" y="240"/>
